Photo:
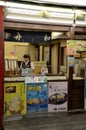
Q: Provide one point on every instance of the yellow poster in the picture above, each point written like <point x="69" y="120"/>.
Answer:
<point x="14" y="98"/>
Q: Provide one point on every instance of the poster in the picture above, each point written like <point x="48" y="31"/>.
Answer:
<point x="57" y="96"/>
<point x="37" y="97"/>
<point x="14" y="99"/>
<point x="75" y="45"/>
<point x="70" y="61"/>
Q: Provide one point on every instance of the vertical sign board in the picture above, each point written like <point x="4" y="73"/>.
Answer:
<point x="1" y="66"/>
<point x="37" y="97"/>
<point x="57" y="96"/>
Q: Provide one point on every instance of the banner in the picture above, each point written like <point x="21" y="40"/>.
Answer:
<point x="27" y="36"/>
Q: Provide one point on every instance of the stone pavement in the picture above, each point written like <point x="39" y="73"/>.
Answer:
<point x="54" y="121"/>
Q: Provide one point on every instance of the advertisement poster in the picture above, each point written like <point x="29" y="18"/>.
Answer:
<point x="57" y="96"/>
<point x="70" y="61"/>
<point x="74" y="45"/>
<point x="37" y="97"/>
<point x="14" y="99"/>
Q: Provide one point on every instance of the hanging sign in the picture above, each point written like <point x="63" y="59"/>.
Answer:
<point x="27" y="36"/>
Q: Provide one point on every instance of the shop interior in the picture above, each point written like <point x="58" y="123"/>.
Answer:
<point x="65" y="24"/>
<point x="41" y="52"/>
<point x="66" y="33"/>
<point x="62" y="54"/>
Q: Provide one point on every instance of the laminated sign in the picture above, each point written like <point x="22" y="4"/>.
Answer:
<point x="57" y="96"/>
<point x="14" y="99"/>
<point x="37" y="98"/>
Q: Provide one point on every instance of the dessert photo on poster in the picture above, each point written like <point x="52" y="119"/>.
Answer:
<point x="57" y="96"/>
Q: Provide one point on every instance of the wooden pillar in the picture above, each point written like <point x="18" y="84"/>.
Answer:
<point x="70" y="81"/>
<point x="70" y="86"/>
<point x="72" y="31"/>
<point x="1" y="67"/>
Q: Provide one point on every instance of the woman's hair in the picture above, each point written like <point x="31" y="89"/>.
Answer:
<point x="26" y="56"/>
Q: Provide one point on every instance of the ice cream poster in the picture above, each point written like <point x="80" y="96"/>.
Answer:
<point x="57" y="96"/>
<point x="37" y="97"/>
<point x="14" y="99"/>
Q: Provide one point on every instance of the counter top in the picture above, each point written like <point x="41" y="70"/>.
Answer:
<point x="78" y="78"/>
<point x="23" y="78"/>
<point x="14" y="79"/>
<point x="49" y="78"/>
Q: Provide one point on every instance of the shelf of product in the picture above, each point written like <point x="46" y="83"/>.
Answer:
<point x="11" y="67"/>
<point x="14" y="98"/>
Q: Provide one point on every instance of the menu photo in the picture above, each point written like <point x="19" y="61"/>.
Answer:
<point x="57" y="96"/>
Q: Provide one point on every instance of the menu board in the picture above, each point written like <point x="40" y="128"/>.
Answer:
<point x="57" y="96"/>
<point x="37" y="97"/>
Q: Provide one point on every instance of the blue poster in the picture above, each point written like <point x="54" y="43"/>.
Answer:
<point x="37" y="97"/>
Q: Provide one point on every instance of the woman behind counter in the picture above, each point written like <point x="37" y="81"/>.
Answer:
<point x="27" y="62"/>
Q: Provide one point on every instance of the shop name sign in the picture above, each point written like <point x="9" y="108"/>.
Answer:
<point x="27" y="36"/>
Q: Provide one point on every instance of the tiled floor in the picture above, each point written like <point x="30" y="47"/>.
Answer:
<point x="55" y="121"/>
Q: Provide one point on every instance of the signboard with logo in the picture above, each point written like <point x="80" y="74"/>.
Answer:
<point x="27" y="36"/>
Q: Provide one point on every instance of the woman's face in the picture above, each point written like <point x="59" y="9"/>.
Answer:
<point x="26" y="59"/>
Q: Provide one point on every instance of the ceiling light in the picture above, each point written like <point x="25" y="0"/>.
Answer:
<point x="38" y="20"/>
<point x="61" y="2"/>
<point x="80" y="23"/>
<point x="42" y="13"/>
<point x="35" y="7"/>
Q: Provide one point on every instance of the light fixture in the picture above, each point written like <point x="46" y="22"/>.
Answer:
<point x="55" y="13"/>
<point x="61" y="2"/>
<point x="56" y="34"/>
<point x="81" y="23"/>
<point x="30" y="13"/>
<point x="38" y="20"/>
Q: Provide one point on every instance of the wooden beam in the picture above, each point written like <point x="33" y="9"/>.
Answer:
<point x="30" y="26"/>
<point x="80" y="29"/>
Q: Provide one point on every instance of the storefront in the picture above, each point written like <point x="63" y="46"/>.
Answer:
<point x="59" y="92"/>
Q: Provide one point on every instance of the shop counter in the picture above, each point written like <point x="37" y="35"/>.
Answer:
<point x="49" y="78"/>
<point x="60" y="95"/>
<point x="15" y="79"/>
